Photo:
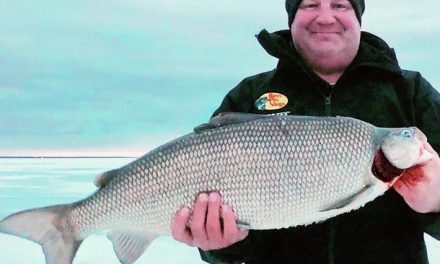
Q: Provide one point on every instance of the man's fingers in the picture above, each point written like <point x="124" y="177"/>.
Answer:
<point x="179" y="229"/>
<point x="427" y="155"/>
<point x="428" y="147"/>
<point x="206" y="230"/>
<point x="213" y="228"/>
<point x="231" y="233"/>
<point x="198" y="228"/>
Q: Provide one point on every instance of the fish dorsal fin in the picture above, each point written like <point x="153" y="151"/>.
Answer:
<point x="228" y="118"/>
<point x="129" y="245"/>
<point x="103" y="179"/>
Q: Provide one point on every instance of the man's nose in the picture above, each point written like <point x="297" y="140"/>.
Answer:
<point x="326" y="15"/>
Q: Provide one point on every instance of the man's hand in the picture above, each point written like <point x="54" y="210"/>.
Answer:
<point x="420" y="185"/>
<point x="213" y="224"/>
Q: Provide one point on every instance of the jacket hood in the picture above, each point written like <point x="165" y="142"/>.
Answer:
<point x="373" y="51"/>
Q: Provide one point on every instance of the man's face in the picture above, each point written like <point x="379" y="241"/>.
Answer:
<point x="327" y="30"/>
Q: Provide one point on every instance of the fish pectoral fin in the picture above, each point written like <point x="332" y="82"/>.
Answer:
<point x="229" y="118"/>
<point x="103" y="179"/>
<point x="129" y="245"/>
<point x="351" y="200"/>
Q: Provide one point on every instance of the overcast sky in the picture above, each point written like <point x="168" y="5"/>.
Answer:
<point x="121" y="77"/>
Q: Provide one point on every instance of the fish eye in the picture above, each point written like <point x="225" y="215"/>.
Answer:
<point x="406" y="133"/>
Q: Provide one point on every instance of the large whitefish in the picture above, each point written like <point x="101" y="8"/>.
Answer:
<point x="137" y="202"/>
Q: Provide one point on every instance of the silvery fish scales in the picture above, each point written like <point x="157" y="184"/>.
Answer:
<point x="270" y="170"/>
<point x="275" y="172"/>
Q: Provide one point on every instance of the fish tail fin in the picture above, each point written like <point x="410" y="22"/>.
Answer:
<point x="47" y="226"/>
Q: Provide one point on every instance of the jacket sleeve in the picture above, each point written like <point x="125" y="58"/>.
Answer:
<point x="427" y="107"/>
<point x="239" y="99"/>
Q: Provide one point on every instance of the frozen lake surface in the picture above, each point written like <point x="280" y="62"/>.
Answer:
<point x="28" y="183"/>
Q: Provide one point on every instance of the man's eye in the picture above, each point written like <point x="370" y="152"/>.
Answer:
<point x="341" y="6"/>
<point x="309" y="5"/>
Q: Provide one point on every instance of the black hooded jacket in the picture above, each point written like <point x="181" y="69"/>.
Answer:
<point x="374" y="89"/>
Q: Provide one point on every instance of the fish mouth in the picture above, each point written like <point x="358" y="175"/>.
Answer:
<point x="383" y="169"/>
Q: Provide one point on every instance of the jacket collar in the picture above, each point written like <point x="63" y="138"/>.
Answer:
<point x="373" y="51"/>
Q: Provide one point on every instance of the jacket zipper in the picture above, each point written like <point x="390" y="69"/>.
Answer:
<point x="328" y="104"/>
<point x="327" y="94"/>
<point x="331" y="238"/>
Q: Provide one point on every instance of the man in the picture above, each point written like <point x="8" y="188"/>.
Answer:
<point x="328" y="67"/>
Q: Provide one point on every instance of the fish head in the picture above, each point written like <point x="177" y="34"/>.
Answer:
<point x="404" y="147"/>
